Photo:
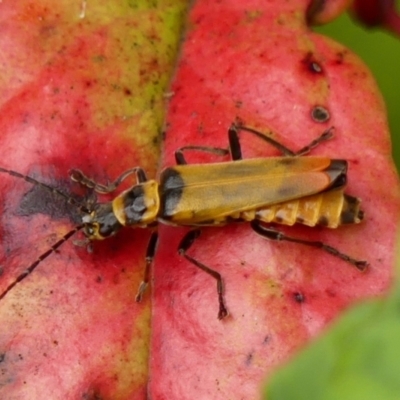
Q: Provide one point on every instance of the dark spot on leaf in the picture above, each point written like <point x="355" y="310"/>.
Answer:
<point x="299" y="297"/>
<point x="249" y="359"/>
<point x="320" y="114"/>
<point x="238" y="104"/>
<point x="89" y="83"/>
<point x="92" y="395"/>
<point x="267" y="339"/>
<point x="340" y="57"/>
<point x="330" y="293"/>
<point x="156" y="139"/>
<point x="311" y="64"/>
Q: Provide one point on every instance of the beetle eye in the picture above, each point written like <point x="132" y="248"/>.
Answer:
<point x="90" y="230"/>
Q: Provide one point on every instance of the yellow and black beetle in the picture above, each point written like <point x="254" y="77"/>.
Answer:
<point x="283" y="190"/>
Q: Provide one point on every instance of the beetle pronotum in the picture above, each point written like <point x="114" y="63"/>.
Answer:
<point x="283" y="190"/>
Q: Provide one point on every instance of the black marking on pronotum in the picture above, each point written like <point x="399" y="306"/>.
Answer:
<point x="134" y="205"/>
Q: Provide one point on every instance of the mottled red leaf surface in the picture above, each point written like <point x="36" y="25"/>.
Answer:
<point x="82" y="86"/>
<point x="258" y="61"/>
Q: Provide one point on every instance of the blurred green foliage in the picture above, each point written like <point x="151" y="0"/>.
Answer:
<point x="381" y="52"/>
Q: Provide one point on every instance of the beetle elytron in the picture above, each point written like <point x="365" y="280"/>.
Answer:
<point x="283" y="190"/>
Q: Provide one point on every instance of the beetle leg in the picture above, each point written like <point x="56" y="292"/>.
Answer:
<point x="276" y="235"/>
<point x="235" y="145"/>
<point x="326" y="135"/>
<point x="234" y="141"/>
<point x="78" y="176"/>
<point x="150" y="252"/>
<point x="184" y="246"/>
<point x="181" y="160"/>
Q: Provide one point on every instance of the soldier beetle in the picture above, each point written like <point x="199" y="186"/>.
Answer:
<point x="283" y="190"/>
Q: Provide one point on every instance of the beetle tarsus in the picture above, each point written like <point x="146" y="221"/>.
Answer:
<point x="223" y="312"/>
<point x="141" y="290"/>
<point x="150" y="252"/>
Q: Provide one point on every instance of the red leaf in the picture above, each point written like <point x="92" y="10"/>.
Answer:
<point x="259" y="62"/>
<point x="82" y="88"/>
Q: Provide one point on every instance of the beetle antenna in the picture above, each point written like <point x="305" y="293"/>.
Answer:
<point x="32" y="267"/>
<point x="27" y="178"/>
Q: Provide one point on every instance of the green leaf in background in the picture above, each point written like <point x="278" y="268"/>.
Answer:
<point x="381" y="52"/>
<point x="359" y="358"/>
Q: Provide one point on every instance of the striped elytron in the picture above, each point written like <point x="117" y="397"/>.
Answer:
<point x="283" y="190"/>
